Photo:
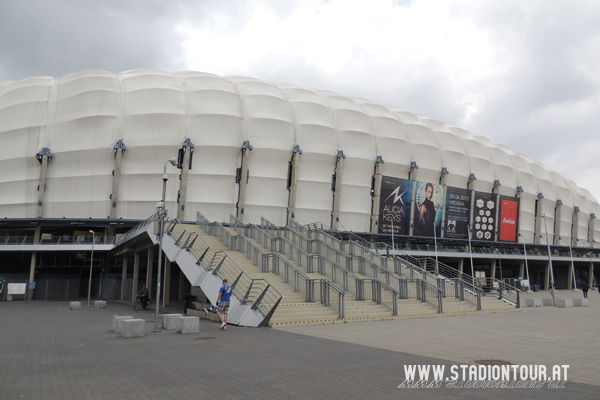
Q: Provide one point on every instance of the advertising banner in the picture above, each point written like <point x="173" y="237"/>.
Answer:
<point x="509" y="213"/>
<point x="429" y="204"/>
<point x="394" y="206"/>
<point x="458" y="211"/>
<point x="484" y="216"/>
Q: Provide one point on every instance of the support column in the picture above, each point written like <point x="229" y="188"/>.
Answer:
<point x="557" y="224"/>
<point x="591" y="235"/>
<point x="538" y="218"/>
<point x="591" y="274"/>
<point x="119" y="149"/>
<point x="43" y="157"/>
<point x="136" y="273"/>
<point x="181" y="284"/>
<point x="376" y="194"/>
<point x="575" y="228"/>
<point x="337" y="190"/>
<point x="149" y="269"/>
<point x="471" y="187"/>
<point x="522" y="269"/>
<point x="292" y="183"/>
<point x="493" y="270"/>
<point x="547" y="276"/>
<point x="461" y="264"/>
<point x="571" y="276"/>
<point x="124" y="277"/>
<point x="167" y="283"/>
<point x="184" y="162"/>
<point x="242" y="179"/>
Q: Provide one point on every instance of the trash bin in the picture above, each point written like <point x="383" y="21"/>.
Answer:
<point x="187" y="301"/>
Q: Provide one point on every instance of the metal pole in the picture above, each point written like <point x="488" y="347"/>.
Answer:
<point x="526" y="267"/>
<point x="91" y="263"/>
<point x="162" y="216"/>
<point x="471" y="256"/>
<point x="393" y="248"/>
<point x="550" y="261"/>
<point x="573" y="268"/>
<point x="436" y="253"/>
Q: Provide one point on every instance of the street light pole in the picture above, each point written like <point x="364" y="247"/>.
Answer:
<point x="550" y="261"/>
<point x="162" y="215"/>
<point x="526" y="266"/>
<point x="91" y="263"/>
<point x="471" y="256"/>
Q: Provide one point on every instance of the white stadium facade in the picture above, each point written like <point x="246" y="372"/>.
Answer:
<point x="86" y="152"/>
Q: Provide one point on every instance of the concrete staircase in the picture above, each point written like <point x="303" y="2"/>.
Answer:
<point x="293" y="308"/>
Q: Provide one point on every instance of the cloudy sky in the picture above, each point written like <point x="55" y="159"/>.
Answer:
<point x="523" y="73"/>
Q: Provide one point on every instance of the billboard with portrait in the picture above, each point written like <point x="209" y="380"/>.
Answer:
<point x="458" y="212"/>
<point x="394" y="206"/>
<point x="429" y="204"/>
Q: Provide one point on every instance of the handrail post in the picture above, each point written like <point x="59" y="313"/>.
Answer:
<point x="236" y="280"/>
<point x="202" y="256"/>
<point x="257" y="302"/>
<point x="216" y="270"/>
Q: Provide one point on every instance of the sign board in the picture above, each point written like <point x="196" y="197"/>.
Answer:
<point x="17" y="288"/>
<point x="31" y="285"/>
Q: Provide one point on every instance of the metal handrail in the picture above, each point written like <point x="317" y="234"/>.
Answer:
<point x="257" y="292"/>
<point x="57" y="240"/>
<point x="327" y="293"/>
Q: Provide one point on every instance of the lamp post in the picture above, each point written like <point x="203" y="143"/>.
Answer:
<point x="436" y="252"/>
<point x="526" y="266"/>
<point x="162" y="215"/>
<point x="91" y="263"/>
<point x="471" y="256"/>
<point x="550" y="261"/>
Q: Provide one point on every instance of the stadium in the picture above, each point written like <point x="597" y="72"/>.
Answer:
<point x="83" y="162"/>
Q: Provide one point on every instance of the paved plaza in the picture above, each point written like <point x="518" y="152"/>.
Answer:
<point x="48" y="351"/>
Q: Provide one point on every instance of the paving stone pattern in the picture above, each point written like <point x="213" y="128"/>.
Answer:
<point x="48" y="351"/>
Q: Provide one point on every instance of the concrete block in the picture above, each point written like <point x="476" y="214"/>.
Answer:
<point x="188" y="324"/>
<point x="118" y="320"/>
<point x="547" y="302"/>
<point x="533" y="302"/>
<point x="75" y="305"/>
<point x="133" y="328"/>
<point x="99" y="304"/>
<point x="564" y="303"/>
<point x="580" y="302"/>
<point x="170" y="320"/>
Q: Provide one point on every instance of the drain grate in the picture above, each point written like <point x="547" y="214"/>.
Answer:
<point x="492" y="362"/>
<point x="205" y="337"/>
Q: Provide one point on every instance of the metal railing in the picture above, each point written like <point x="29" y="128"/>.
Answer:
<point x="56" y="240"/>
<point x="504" y="291"/>
<point x="313" y="290"/>
<point x="256" y="292"/>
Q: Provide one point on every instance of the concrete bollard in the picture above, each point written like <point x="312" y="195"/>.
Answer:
<point x="99" y="304"/>
<point x="170" y="320"/>
<point x="75" y="305"/>
<point x="188" y="324"/>
<point x="547" y="302"/>
<point x="133" y="328"/>
<point x="564" y="303"/>
<point x="533" y="302"/>
<point x="580" y="302"/>
<point x="118" y="320"/>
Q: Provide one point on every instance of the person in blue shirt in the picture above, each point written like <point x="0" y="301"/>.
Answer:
<point x="223" y="301"/>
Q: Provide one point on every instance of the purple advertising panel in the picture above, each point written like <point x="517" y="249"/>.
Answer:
<point x="458" y="211"/>
<point x="394" y="206"/>
<point x="484" y="216"/>
<point x="429" y="204"/>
